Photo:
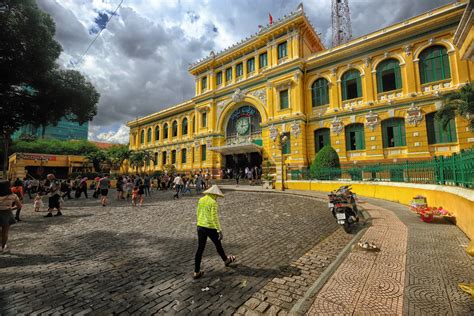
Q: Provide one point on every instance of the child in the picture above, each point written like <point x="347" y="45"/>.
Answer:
<point x="38" y="202"/>
<point x="134" y="196"/>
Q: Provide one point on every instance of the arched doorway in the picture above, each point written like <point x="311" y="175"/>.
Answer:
<point x="243" y="142"/>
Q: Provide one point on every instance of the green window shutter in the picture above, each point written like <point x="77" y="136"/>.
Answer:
<point x="348" y="139"/>
<point x="360" y="138"/>
<point x="142" y="137"/>
<point x="204" y="119"/>
<point x="430" y="128"/>
<point x="379" y="82"/>
<point x="401" y="127"/>
<point x="284" y="99"/>
<point x="157" y="133"/>
<point x="384" y="134"/>
<point x="344" y="90"/>
<point x="287" y="147"/>
<point x="452" y="131"/>
<point x="183" y="156"/>
<point x="398" y="77"/>
<point x="203" y="152"/>
<point x="219" y="78"/>
<point x="446" y="68"/>
<point x="359" y="87"/>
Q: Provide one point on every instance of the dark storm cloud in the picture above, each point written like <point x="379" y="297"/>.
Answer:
<point x="139" y="63"/>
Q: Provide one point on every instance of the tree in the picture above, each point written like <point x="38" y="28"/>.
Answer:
<point x="32" y="89"/>
<point x="326" y="165"/>
<point x="97" y="158"/>
<point x="117" y="154"/>
<point x="461" y="103"/>
<point x="138" y="158"/>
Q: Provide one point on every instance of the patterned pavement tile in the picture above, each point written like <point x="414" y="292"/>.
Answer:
<point x="132" y="260"/>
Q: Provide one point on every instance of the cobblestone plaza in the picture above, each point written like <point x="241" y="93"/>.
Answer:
<point x="124" y="259"/>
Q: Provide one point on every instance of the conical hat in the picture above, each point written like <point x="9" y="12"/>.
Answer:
<point x="214" y="190"/>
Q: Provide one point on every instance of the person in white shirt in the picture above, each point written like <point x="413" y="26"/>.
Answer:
<point x="178" y="185"/>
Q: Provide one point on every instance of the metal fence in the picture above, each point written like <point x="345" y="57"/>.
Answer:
<point x="455" y="170"/>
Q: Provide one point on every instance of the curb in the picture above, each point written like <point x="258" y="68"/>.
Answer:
<point x="304" y="304"/>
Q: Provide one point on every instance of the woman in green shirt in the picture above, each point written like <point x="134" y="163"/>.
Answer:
<point x="208" y="225"/>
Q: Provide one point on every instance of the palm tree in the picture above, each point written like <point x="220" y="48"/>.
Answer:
<point x="458" y="103"/>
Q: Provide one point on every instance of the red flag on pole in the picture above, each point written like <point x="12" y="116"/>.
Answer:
<point x="271" y="18"/>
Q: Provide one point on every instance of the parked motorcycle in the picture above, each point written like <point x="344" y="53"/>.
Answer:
<point x="343" y="207"/>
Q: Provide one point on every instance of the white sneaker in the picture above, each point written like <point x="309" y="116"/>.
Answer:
<point x="6" y="249"/>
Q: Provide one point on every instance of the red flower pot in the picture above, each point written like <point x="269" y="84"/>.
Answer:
<point x="426" y="217"/>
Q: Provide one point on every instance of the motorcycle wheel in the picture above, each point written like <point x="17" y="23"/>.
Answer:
<point x="347" y="227"/>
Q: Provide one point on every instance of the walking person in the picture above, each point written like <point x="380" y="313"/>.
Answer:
<point x="54" y="196"/>
<point x="83" y="187"/>
<point x="104" y="185"/>
<point x="119" y="186"/>
<point x="178" y="184"/>
<point x="208" y="225"/>
<point x="18" y="190"/>
<point x="147" y="184"/>
<point x="8" y="201"/>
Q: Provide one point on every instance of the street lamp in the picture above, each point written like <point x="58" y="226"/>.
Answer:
<point x="282" y="139"/>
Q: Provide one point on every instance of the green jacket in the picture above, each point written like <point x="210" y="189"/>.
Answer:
<point x="207" y="213"/>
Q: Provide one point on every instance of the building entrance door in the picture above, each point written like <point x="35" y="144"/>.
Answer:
<point x="238" y="162"/>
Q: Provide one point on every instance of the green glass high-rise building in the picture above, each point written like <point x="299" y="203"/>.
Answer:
<point x="64" y="130"/>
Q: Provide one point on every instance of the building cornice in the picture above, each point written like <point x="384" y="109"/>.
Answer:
<point x="443" y="15"/>
<point x="261" y="37"/>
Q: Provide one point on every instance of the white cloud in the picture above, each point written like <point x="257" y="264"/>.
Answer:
<point x="120" y="136"/>
<point x="139" y="63"/>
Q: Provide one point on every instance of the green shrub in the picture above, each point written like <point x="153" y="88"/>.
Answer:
<point x="326" y="165"/>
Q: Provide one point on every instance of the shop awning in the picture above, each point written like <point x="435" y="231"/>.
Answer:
<point x="237" y="149"/>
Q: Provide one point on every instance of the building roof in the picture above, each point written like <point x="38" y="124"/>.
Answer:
<point x="103" y="145"/>
<point x="263" y="31"/>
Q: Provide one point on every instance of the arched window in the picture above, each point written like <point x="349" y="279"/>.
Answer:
<point x="173" y="157"/>
<point x="183" y="155"/>
<point x="194" y="124"/>
<point x="157" y="133"/>
<point x="393" y="132"/>
<point x="321" y="138"/>
<point x="165" y="131"/>
<point x="142" y="137"/>
<point x="434" y="64"/>
<point x="320" y="92"/>
<point x="355" y="137"/>
<point x="148" y="136"/>
<point x="184" y="126"/>
<point x="351" y="85"/>
<point x="388" y="76"/>
<point x="174" y="129"/>
<point x="436" y="133"/>
<point x="155" y="160"/>
<point x="163" y="158"/>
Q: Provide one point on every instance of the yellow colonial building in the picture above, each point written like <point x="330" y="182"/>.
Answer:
<point x="373" y="99"/>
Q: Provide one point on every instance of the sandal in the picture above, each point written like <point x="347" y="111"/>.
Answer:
<point x="229" y="260"/>
<point x="198" y="275"/>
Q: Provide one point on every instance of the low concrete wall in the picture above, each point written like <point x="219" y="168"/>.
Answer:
<point x="458" y="201"/>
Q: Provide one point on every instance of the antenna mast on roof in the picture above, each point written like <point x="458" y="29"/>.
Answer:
<point x="341" y="22"/>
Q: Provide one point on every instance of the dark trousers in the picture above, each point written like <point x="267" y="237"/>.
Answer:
<point x="147" y="190"/>
<point x="178" y="189"/>
<point x="203" y="233"/>
<point x="17" y="215"/>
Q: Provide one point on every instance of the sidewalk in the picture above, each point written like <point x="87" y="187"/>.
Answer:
<point x="416" y="271"/>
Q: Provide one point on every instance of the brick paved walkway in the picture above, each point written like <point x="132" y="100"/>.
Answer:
<point x="120" y="259"/>
<point x="416" y="272"/>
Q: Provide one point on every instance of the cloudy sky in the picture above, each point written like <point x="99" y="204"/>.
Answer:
<point x="139" y="62"/>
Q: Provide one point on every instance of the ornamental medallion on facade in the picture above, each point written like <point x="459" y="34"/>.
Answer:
<point x="196" y="143"/>
<point x="337" y="126"/>
<point x="414" y="115"/>
<point x="209" y="142"/>
<point x="261" y="95"/>
<point x="273" y="132"/>
<point x="371" y="120"/>
<point x="295" y="129"/>
<point x="238" y="95"/>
